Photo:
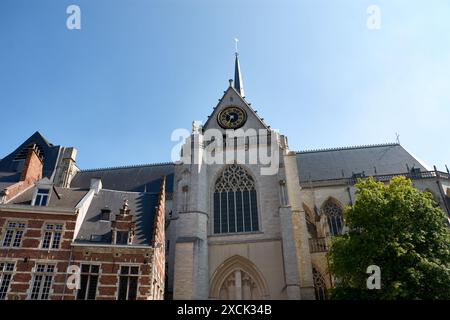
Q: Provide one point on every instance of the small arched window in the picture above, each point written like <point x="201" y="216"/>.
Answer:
<point x="334" y="216"/>
<point x="320" y="288"/>
<point x="235" y="204"/>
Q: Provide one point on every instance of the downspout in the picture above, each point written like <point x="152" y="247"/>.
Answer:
<point x="350" y="196"/>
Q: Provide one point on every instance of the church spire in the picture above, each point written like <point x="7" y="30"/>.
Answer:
<point x="238" y="84"/>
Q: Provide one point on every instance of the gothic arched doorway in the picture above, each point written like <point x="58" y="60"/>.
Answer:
<point x="238" y="278"/>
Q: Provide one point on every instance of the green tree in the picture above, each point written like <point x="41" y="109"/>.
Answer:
<point x="399" y="229"/>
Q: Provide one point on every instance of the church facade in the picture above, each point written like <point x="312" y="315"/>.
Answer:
<point x="246" y="216"/>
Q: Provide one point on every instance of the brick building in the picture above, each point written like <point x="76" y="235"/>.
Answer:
<point x="113" y="240"/>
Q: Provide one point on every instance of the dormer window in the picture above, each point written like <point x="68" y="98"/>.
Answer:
<point x="122" y="237"/>
<point x="41" y="197"/>
<point x="415" y="171"/>
<point x="105" y="215"/>
<point x="358" y="175"/>
<point x="96" y="237"/>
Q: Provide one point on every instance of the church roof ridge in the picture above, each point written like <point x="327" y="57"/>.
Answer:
<point x="129" y="166"/>
<point x="388" y="144"/>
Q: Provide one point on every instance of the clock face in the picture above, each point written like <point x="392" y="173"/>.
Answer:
<point x="232" y="118"/>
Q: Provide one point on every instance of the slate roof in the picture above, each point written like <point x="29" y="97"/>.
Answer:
<point x="10" y="176"/>
<point x="142" y="207"/>
<point x="62" y="198"/>
<point x="48" y="151"/>
<point x="4" y="185"/>
<point x="339" y="163"/>
<point x="133" y="178"/>
<point x="8" y="179"/>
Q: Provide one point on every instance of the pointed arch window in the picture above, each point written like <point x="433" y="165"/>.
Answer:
<point x="319" y="285"/>
<point x="235" y="203"/>
<point x="334" y="216"/>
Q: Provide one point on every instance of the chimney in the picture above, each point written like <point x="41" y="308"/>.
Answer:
<point x="31" y="172"/>
<point x="32" y="169"/>
<point x="96" y="184"/>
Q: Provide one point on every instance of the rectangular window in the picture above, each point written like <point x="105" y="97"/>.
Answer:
<point x="239" y="213"/>
<point x="88" y="282"/>
<point x="122" y="237"/>
<point x="231" y="212"/>
<point x="254" y="208"/>
<point x="41" y="197"/>
<point x="6" y="272"/>
<point x="42" y="281"/>
<point x="105" y="215"/>
<point x="52" y="236"/>
<point x="224" y="212"/>
<point x="246" y="210"/>
<point x="216" y="212"/>
<point x="13" y="234"/>
<point x="128" y="283"/>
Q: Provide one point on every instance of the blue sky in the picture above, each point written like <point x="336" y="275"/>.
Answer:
<point x="137" y="70"/>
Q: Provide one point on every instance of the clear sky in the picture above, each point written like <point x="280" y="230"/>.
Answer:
<point x="139" y="69"/>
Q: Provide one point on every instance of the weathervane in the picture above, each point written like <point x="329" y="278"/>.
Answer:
<point x="236" y="40"/>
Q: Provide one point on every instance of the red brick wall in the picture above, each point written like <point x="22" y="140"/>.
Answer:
<point x="32" y="171"/>
<point x="29" y="253"/>
<point x="110" y="260"/>
<point x="160" y="242"/>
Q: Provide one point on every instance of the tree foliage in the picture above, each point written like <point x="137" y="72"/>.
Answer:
<point x="399" y="229"/>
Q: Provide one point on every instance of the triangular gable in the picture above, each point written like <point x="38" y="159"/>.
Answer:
<point x="232" y="98"/>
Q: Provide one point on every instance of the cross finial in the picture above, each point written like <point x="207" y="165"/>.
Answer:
<point x="236" y="40"/>
<point x="397" y="137"/>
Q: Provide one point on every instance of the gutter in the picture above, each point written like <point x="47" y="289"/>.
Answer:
<point x="36" y="209"/>
<point x="116" y="246"/>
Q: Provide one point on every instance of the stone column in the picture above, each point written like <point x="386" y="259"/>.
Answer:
<point x="191" y="252"/>
<point x="289" y="254"/>
<point x="238" y="284"/>
<point x="246" y="287"/>
<point x="299" y="229"/>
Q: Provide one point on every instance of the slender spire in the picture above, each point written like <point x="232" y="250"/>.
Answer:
<point x="238" y="84"/>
